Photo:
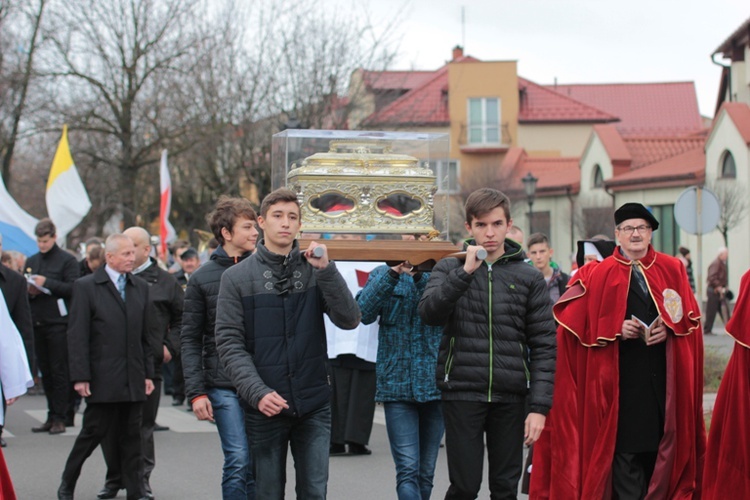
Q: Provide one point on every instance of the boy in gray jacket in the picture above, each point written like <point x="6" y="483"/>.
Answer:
<point x="271" y="339"/>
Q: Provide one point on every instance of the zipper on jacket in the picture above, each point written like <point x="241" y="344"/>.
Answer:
<point x="449" y="360"/>
<point x="489" y="276"/>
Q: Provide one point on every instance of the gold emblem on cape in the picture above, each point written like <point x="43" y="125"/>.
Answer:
<point x="673" y="304"/>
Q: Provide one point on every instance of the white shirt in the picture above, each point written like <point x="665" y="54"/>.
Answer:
<point x="113" y="275"/>
<point x="15" y="376"/>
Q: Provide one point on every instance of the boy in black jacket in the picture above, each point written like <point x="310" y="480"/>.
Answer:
<point x="498" y="348"/>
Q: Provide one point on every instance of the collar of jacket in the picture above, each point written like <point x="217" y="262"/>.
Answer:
<point x="274" y="259"/>
<point x="221" y="257"/>
<point x="513" y="250"/>
<point x="646" y="262"/>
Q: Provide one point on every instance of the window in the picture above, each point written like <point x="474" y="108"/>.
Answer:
<point x="446" y="172"/>
<point x="667" y="238"/>
<point x="728" y="167"/>
<point x="598" y="177"/>
<point x="484" y="120"/>
<point x="540" y="223"/>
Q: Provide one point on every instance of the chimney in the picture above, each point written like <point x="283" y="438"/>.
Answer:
<point x="458" y="52"/>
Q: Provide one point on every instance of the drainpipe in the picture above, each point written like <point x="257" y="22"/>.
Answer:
<point x="568" y="192"/>
<point x="729" y="75"/>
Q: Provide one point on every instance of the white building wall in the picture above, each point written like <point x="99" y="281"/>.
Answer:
<point x="726" y="137"/>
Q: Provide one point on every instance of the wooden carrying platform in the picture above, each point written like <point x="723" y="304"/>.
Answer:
<point x="421" y="254"/>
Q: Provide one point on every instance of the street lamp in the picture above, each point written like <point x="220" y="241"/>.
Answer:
<point x="529" y="185"/>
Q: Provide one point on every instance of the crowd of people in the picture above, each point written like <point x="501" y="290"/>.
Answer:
<point x="599" y="372"/>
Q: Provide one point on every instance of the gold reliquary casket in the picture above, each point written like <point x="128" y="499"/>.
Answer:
<point x="362" y="186"/>
<point x="361" y="192"/>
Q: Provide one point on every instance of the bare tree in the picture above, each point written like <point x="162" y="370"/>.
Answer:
<point x="121" y="64"/>
<point x="733" y="205"/>
<point x="592" y="220"/>
<point x="318" y="51"/>
<point x="16" y="72"/>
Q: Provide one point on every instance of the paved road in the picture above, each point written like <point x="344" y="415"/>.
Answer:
<point x="188" y="460"/>
<point x="189" y="457"/>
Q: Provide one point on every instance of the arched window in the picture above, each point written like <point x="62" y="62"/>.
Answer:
<point x="728" y="167"/>
<point x="598" y="177"/>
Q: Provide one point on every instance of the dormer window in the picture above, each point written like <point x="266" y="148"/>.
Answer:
<point x="728" y="167"/>
<point x="484" y="120"/>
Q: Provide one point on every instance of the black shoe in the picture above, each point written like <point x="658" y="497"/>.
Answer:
<point x="337" y="450"/>
<point x="107" y="492"/>
<point x="70" y="422"/>
<point x="58" y="427"/>
<point x="359" y="449"/>
<point x="3" y="444"/>
<point x="158" y="427"/>
<point x="65" y="491"/>
<point x="178" y="401"/>
<point x="45" y="427"/>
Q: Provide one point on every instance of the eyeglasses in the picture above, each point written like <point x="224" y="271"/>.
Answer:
<point x="628" y="230"/>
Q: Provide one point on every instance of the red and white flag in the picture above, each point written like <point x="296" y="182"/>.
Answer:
<point x="166" y="231"/>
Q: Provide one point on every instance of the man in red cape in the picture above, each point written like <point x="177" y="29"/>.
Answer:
<point x="595" y="404"/>
<point x="727" y="470"/>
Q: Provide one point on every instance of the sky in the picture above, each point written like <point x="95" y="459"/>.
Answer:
<point x="573" y="41"/>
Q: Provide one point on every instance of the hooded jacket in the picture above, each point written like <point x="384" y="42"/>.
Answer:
<point x="200" y="361"/>
<point x="498" y="341"/>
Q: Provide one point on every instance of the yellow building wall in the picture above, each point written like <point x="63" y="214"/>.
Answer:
<point x="554" y="139"/>
<point x="481" y="79"/>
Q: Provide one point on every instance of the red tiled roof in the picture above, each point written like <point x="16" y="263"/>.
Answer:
<point x="395" y="80"/>
<point x="643" y="108"/>
<point x="613" y="143"/>
<point x="543" y="105"/>
<point x="426" y="104"/>
<point x="649" y="150"/>
<point x="740" y="34"/>
<point x="683" y="169"/>
<point x="739" y="112"/>
<point x="555" y="174"/>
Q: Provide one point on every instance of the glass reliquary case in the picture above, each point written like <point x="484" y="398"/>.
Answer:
<point x="365" y="194"/>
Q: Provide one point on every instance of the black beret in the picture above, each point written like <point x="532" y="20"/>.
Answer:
<point x="635" y="211"/>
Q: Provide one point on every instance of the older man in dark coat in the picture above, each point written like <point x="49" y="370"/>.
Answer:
<point x="110" y="363"/>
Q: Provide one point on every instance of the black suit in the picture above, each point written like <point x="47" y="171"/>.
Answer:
<point x="643" y="386"/>
<point x="50" y="324"/>
<point x="108" y="345"/>
<point x="165" y="300"/>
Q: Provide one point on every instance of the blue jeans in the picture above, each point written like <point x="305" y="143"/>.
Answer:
<point x="309" y="437"/>
<point x="415" y="431"/>
<point x="237" y="482"/>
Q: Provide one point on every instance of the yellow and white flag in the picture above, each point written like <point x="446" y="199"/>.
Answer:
<point x="67" y="200"/>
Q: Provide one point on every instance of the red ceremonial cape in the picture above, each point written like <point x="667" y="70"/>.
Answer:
<point x="727" y="470"/>
<point x="6" y="486"/>
<point x="573" y="457"/>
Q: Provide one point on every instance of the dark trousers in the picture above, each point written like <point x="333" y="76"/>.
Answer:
<point x="713" y="306"/>
<point x="631" y="474"/>
<point x="111" y="444"/>
<point x="174" y="379"/>
<point x="98" y="419"/>
<point x="466" y="425"/>
<point x="352" y="405"/>
<point x="51" y="345"/>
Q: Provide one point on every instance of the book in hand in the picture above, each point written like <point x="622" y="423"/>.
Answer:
<point x="646" y="329"/>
